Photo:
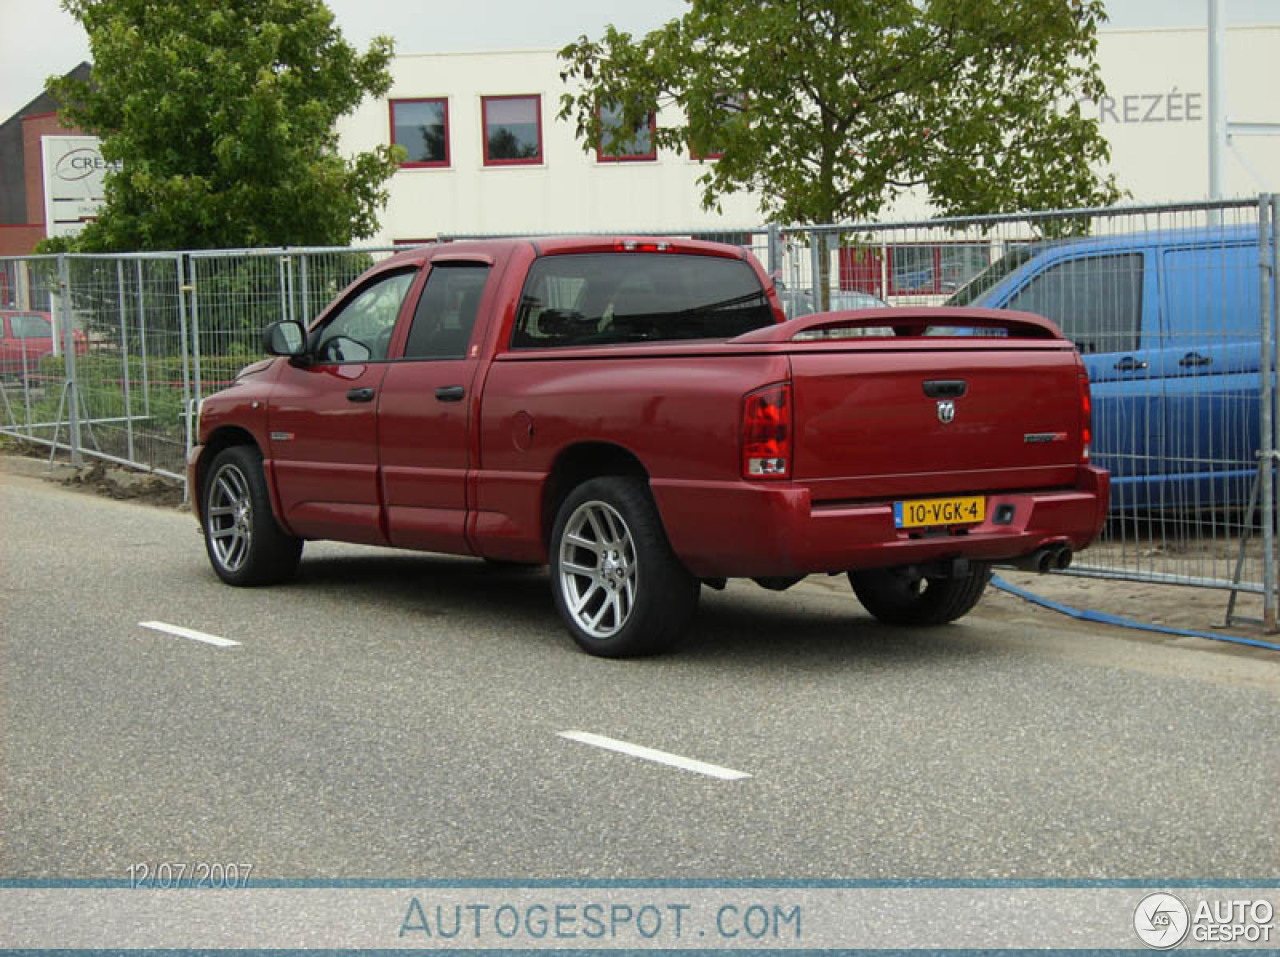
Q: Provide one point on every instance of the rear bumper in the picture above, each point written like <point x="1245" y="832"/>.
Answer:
<point x="745" y="531"/>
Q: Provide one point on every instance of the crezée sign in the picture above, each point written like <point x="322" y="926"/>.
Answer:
<point x="82" y="163"/>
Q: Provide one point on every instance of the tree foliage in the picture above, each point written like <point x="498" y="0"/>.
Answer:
<point x="222" y="113"/>
<point x="830" y="109"/>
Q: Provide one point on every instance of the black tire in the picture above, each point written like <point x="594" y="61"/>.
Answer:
<point x="896" y="597"/>
<point x="618" y="586"/>
<point x="246" y="545"/>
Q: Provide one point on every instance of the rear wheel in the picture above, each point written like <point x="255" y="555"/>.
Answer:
<point x="901" y="597"/>
<point x="618" y="586"/>
<point x="246" y="545"/>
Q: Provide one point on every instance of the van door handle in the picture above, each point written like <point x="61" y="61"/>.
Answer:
<point x="1192" y="359"/>
<point x="360" y="395"/>
<point x="450" y="393"/>
<point x="1130" y="364"/>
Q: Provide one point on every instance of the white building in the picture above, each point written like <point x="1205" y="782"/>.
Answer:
<point x="1155" y="117"/>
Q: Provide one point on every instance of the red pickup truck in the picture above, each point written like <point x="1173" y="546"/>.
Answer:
<point x="640" y="415"/>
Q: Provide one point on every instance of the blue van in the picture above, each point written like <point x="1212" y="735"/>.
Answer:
<point x="1169" y="326"/>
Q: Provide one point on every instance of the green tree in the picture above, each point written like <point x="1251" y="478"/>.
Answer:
<point x="222" y="113"/>
<point x="830" y="109"/>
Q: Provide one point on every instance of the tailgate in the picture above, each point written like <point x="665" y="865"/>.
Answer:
<point x="919" y="414"/>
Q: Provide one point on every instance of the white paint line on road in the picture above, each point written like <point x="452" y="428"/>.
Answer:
<point x="650" y="754"/>
<point x="181" y="632"/>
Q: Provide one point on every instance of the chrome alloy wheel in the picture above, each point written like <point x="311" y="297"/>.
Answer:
<point x="229" y="517"/>
<point x="598" y="572"/>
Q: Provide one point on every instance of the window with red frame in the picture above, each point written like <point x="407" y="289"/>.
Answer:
<point x="912" y="269"/>
<point x="727" y="109"/>
<point x="620" y="146"/>
<point x="422" y="128"/>
<point x="512" y="130"/>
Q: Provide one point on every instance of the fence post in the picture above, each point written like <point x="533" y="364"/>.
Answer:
<point x="775" y="249"/>
<point x="1271" y="314"/>
<point x="65" y="326"/>
<point x="183" y="341"/>
<point x="816" y="248"/>
<point x="124" y="362"/>
<point x="1266" y="453"/>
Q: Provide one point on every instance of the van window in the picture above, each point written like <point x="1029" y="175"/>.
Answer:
<point x="606" y="298"/>
<point x="1212" y="295"/>
<point x="1097" y="301"/>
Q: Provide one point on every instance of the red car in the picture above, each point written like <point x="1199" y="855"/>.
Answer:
<point x="25" y="338"/>
<point x="639" y="415"/>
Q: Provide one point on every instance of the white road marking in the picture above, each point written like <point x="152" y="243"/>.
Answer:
<point x="181" y="632"/>
<point x="650" y="754"/>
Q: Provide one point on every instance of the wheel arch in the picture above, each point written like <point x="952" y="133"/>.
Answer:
<point x="219" y="440"/>
<point x="577" y="464"/>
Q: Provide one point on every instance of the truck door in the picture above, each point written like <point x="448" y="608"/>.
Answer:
<point x="323" y="445"/>
<point x="426" y="408"/>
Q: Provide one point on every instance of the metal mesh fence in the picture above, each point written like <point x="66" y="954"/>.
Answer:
<point x="1171" y="308"/>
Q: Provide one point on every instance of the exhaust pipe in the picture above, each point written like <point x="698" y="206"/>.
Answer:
<point x="1045" y="559"/>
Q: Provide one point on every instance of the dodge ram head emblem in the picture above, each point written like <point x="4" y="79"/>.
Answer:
<point x="946" y="411"/>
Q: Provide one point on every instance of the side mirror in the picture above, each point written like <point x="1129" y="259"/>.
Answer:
<point x="285" y="339"/>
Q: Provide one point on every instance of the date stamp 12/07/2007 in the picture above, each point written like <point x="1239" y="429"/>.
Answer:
<point x="174" y="875"/>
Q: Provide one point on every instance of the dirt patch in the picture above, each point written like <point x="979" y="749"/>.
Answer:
<point x="98" y="477"/>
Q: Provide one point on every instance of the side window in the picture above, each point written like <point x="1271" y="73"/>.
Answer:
<point x="1212" y="295"/>
<point x="30" y="327"/>
<point x="613" y="298"/>
<point x="446" y="311"/>
<point x="361" y="330"/>
<point x="1097" y="301"/>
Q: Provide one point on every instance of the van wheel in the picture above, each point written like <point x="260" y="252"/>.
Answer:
<point x="619" y="588"/>
<point x="246" y="545"/>
<point x="898" y="597"/>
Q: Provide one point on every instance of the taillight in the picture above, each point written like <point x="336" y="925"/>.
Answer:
<point x="766" y="433"/>
<point x="1086" y="417"/>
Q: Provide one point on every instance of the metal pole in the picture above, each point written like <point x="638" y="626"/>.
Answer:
<point x="306" y="290"/>
<point x="142" y="342"/>
<point x="124" y="362"/>
<point x="775" y="250"/>
<point x="815" y="268"/>
<point x="1271" y="277"/>
<point x="191" y="347"/>
<point x="1266" y="455"/>
<point x="69" y="354"/>
<point x="1217" y="105"/>
<point x="288" y="278"/>
<point x="183" y="289"/>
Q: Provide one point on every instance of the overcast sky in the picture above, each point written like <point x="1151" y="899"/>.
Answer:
<point x="37" y="39"/>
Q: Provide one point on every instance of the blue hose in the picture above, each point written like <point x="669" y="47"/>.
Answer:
<point x="1104" y="619"/>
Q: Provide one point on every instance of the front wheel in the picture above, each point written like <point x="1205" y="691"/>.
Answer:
<point x="898" y="596"/>
<point x="618" y="586"/>
<point x="246" y="545"/>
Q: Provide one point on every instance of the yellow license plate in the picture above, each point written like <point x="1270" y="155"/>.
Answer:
<point x="925" y="512"/>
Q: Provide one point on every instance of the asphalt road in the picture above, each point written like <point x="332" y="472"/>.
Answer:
<point x="397" y="715"/>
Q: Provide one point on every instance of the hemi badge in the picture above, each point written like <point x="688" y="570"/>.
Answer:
<point x="288" y="437"/>
<point x="1037" y="437"/>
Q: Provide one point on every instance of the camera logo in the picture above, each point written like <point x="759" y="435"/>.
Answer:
<point x="1161" y="921"/>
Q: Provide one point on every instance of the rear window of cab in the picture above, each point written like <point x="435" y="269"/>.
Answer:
<point x="614" y="298"/>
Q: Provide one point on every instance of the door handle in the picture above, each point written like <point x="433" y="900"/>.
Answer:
<point x="360" y="395"/>
<point x="1192" y="359"/>
<point x="450" y="393"/>
<point x="1130" y="364"/>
